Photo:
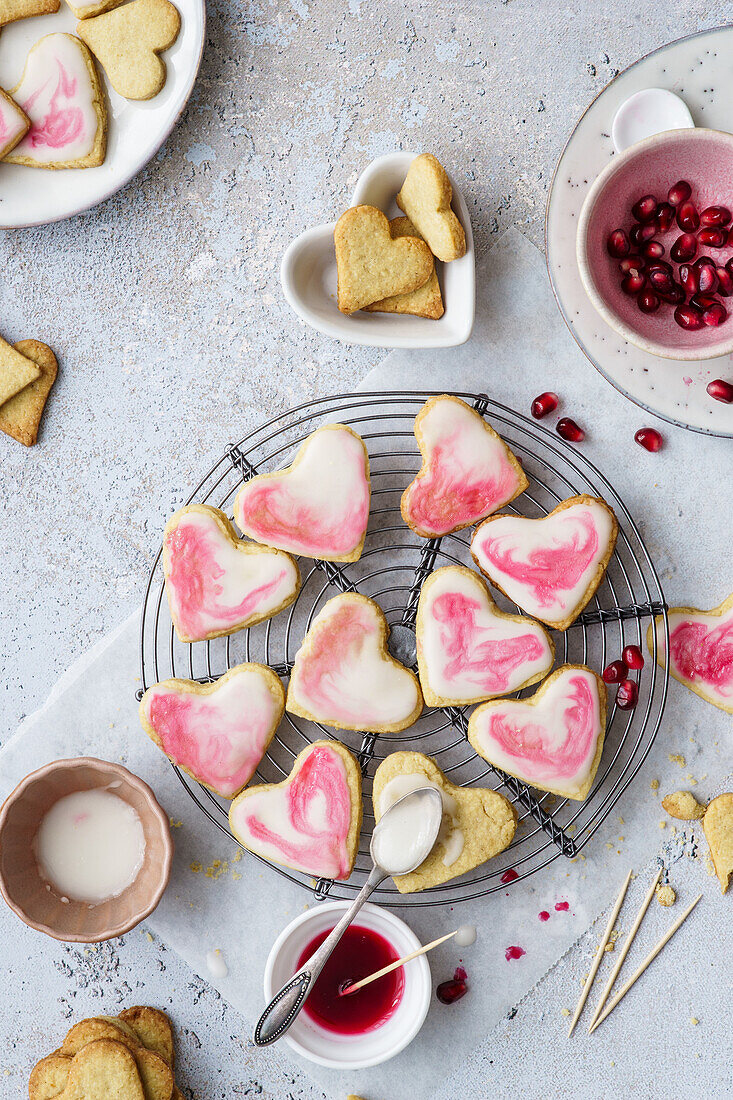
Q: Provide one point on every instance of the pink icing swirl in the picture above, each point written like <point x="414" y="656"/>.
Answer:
<point x="322" y="850"/>
<point x="63" y="122"/>
<point x="335" y="647"/>
<point x="469" y="652"/>
<point x="704" y="656"/>
<point x="450" y="494"/>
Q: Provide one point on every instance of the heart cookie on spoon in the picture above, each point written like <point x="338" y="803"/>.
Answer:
<point x="554" y="740"/>
<point x="700" y="650"/>
<point x="312" y="820"/>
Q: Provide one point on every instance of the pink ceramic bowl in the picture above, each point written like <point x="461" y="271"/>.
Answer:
<point x="20" y="882"/>
<point x="705" y="159"/>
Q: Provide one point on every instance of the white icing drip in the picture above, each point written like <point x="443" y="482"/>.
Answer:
<point x="216" y="963"/>
<point x="465" y="936"/>
<point x="450" y="835"/>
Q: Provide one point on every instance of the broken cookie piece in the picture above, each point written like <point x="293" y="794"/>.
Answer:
<point x="684" y="806"/>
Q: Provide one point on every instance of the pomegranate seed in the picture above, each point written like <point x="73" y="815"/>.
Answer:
<point x="687" y="216"/>
<point x="684" y="248"/>
<point x="615" y="672"/>
<point x="638" y="234"/>
<point x="509" y="876"/>
<point x="702" y="301"/>
<point x="721" y="390"/>
<point x="679" y="192"/>
<point x="729" y="264"/>
<point x="647" y="301"/>
<point x="715" y="315"/>
<point x="713" y="238"/>
<point x="627" y="695"/>
<point x="715" y="215"/>
<point x="674" y="294"/>
<point x="645" y="209"/>
<point x="653" y="250"/>
<point x="725" y="282"/>
<point x="633" y="282"/>
<point x="707" y="274"/>
<point x="659" y="274"/>
<point x="665" y="217"/>
<point x="650" y="440"/>
<point x="632" y="263"/>
<point x="618" y="244"/>
<point x="450" y="992"/>
<point x="633" y="656"/>
<point x="544" y="404"/>
<point x="690" y="278"/>
<point x="569" y="430"/>
<point x="688" y="317"/>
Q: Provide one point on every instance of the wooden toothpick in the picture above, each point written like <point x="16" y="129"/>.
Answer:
<point x="393" y="966"/>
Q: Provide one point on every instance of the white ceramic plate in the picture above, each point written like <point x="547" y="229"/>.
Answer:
<point x="699" y="69"/>
<point x="136" y="130"/>
<point x="308" y="275"/>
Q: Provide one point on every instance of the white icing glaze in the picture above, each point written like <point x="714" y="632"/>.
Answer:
<point x="216" y="963"/>
<point x="545" y="566"/>
<point x="465" y="936"/>
<point x="451" y="835"/>
<point x="12" y="123"/>
<point x="701" y="652"/>
<point x="57" y="94"/>
<point x="405" y="838"/>
<point x="467" y="650"/>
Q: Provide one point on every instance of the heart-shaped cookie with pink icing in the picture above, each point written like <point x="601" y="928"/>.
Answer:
<point x="467" y="472"/>
<point x="468" y="650"/>
<point x="319" y="506"/>
<point x="554" y="740"/>
<point x="312" y="820"/>
<point x="550" y="567"/>
<point x="345" y="676"/>
<point x="700" y="650"/>
<point x="218" y="732"/>
<point x="217" y="584"/>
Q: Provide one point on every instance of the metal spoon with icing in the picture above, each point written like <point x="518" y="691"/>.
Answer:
<point x="401" y="841"/>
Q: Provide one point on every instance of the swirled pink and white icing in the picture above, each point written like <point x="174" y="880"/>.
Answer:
<point x="319" y="506"/>
<point x="546" y="566"/>
<point x="550" y="743"/>
<point x="303" y="822"/>
<point x="219" y="737"/>
<point x="12" y="124"/>
<point x="466" y="649"/>
<point x="342" y="674"/>
<point x="701" y="652"/>
<point x="466" y="474"/>
<point x="58" y="95"/>
<point x="215" y="583"/>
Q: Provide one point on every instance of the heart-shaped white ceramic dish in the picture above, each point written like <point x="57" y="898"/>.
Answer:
<point x="308" y="275"/>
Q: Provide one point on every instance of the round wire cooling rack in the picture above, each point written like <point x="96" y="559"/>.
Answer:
<point x="391" y="570"/>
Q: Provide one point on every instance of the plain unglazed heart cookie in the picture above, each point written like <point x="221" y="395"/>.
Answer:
<point x="101" y="1070"/>
<point x="14" y="123"/>
<point x="468" y="650"/>
<point x="319" y="506"/>
<point x="700" y="650"/>
<point x="155" y="1074"/>
<point x="127" y="42"/>
<point x="550" y="567"/>
<point x="312" y="820"/>
<point x="718" y="826"/>
<point x="553" y="740"/>
<point x="426" y="301"/>
<point x="467" y="471"/>
<point x="153" y="1029"/>
<point x="477" y="823"/>
<point x="371" y="264"/>
<point x="217" y="584"/>
<point x="10" y="10"/>
<point x="344" y="674"/>
<point x="218" y="732"/>
<point x="426" y="197"/>
<point x="16" y="371"/>
<point x="61" y="94"/>
<point x="20" y="417"/>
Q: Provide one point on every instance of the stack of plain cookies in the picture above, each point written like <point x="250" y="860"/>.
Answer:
<point x="389" y="266"/>
<point x="125" y="1057"/>
<point x="27" y="373"/>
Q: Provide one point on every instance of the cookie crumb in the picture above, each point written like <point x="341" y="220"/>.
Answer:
<point x="196" y="867"/>
<point x="566" y="1012"/>
<point x="666" y="896"/>
<point x="654" y="785"/>
<point x="683" y="805"/>
<point x="694" y="1021"/>
<point x="677" y="758"/>
<point x="662" y="824"/>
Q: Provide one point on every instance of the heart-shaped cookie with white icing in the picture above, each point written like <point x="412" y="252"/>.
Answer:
<point x="467" y="471"/>
<point x="371" y="263"/>
<point x="218" y="732"/>
<point x="718" y="826"/>
<point x="426" y="197"/>
<point x="217" y="584"/>
<point x="312" y="820"/>
<point x="477" y="823"/>
<point x="319" y="506"/>
<point x="700" y="650"/>
<point x="550" y="567"/>
<point x="554" y="740"/>
<point x="127" y="42"/>
<point x="468" y="650"/>
<point x="345" y="676"/>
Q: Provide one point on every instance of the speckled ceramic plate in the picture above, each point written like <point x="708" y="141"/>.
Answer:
<point x="699" y="69"/>
<point x="136" y="130"/>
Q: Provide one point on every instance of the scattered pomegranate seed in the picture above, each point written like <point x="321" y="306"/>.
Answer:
<point x="690" y="278"/>
<point x="569" y="430"/>
<point x="615" y="672"/>
<point x="633" y="282"/>
<point x="638" y="234"/>
<point x="648" y="301"/>
<point x="688" y="317"/>
<point x="509" y="876"/>
<point x="715" y="314"/>
<point x="673" y="294"/>
<point x="514" y="953"/>
<point x="707" y="274"/>
<point x="684" y="248"/>
<point x="679" y="192"/>
<point x="451" y="991"/>
<point x="725" y="282"/>
<point x="627" y="694"/>
<point x="653" y="250"/>
<point x="715" y="215"/>
<point x="632" y="263"/>
<point x="645" y="209"/>
<point x="665" y="217"/>
<point x="713" y="238"/>
<point x="544" y="404"/>
<point x="721" y="390"/>
<point x="650" y="440"/>
<point x="618" y="244"/>
<point x="633" y="656"/>
<point x="687" y="216"/>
